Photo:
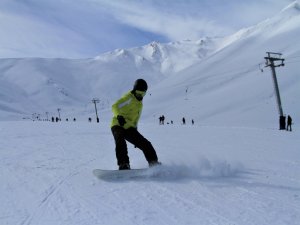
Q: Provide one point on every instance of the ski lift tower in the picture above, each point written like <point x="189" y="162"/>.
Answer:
<point x="270" y="62"/>
<point x="95" y="101"/>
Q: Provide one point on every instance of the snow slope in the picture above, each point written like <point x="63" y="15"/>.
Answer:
<point x="232" y="167"/>
<point x="211" y="175"/>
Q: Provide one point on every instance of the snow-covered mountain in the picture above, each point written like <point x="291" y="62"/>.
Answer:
<point x="203" y="79"/>
<point x="37" y="85"/>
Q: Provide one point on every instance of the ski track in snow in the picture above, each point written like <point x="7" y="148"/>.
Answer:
<point x="47" y="170"/>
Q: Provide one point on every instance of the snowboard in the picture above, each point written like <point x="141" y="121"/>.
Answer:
<point x="121" y="174"/>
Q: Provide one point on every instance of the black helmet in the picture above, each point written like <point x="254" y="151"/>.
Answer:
<point x="140" y="85"/>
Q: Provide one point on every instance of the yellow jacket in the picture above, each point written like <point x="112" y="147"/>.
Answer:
<point x="128" y="107"/>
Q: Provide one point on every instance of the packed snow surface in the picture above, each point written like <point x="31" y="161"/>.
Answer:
<point x="210" y="175"/>
<point x="232" y="167"/>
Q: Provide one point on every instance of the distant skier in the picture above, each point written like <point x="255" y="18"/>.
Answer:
<point x="289" y="123"/>
<point x="183" y="121"/>
<point x="162" y="120"/>
<point x="126" y="114"/>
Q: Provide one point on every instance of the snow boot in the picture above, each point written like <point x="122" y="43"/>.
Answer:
<point x="154" y="163"/>
<point x="124" y="166"/>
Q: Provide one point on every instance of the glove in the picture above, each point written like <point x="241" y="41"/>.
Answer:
<point x="121" y="120"/>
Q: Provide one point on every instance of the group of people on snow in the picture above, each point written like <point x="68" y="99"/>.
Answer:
<point x="162" y="121"/>
<point x="56" y="119"/>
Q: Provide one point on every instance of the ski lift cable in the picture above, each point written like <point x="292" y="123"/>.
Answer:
<point x="231" y="73"/>
<point x="243" y="70"/>
<point x="293" y="57"/>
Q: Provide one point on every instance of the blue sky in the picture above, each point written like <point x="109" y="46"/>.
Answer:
<point x="86" y="28"/>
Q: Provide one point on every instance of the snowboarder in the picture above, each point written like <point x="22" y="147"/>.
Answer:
<point x="289" y="123"/>
<point x="126" y="114"/>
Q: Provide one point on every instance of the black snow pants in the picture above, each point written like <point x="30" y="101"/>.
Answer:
<point x="131" y="135"/>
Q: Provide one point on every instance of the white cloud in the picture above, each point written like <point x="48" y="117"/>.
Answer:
<point x="192" y="19"/>
<point x="175" y="27"/>
<point x="167" y="19"/>
<point x="85" y="28"/>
